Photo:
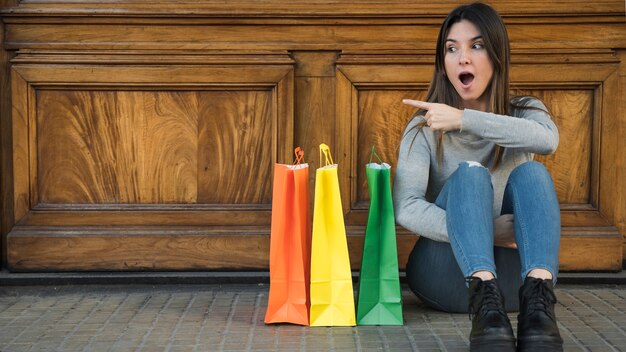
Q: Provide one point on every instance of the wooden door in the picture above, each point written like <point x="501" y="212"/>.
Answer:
<point x="142" y="136"/>
<point x="147" y="167"/>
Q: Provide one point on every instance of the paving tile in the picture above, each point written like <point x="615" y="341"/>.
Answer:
<point x="214" y="318"/>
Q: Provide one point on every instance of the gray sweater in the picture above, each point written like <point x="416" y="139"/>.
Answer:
<point x="419" y="177"/>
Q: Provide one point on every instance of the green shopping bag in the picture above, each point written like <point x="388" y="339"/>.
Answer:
<point x="379" y="299"/>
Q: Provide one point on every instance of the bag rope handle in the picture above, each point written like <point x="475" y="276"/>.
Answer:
<point x="374" y="153"/>
<point x="325" y="151"/>
<point x="299" y="155"/>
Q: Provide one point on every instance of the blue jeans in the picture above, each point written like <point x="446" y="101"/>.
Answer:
<point x="436" y="270"/>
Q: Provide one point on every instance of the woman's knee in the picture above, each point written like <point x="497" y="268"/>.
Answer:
<point x="474" y="172"/>
<point x="530" y="170"/>
<point x="532" y="176"/>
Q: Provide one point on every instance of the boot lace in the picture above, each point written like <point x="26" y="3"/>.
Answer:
<point x="484" y="299"/>
<point x="539" y="297"/>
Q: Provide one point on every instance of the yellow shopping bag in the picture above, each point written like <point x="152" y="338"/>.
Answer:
<point x="332" y="296"/>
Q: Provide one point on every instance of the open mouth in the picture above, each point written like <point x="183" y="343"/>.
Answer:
<point x="466" y="78"/>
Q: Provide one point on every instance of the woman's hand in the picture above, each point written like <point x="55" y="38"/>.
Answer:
<point x="439" y="117"/>
<point x="504" y="231"/>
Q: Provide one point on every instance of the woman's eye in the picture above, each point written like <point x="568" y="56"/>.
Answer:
<point x="478" y="46"/>
<point x="451" y="49"/>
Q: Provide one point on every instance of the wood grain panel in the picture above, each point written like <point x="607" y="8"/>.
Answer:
<point x="590" y="249"/>
<point x="98" y="73"/>
<point x="116" y="147"/>
<point x="77" y="138"/>
<point x="227" y="248"/>
<point x="570" y="166"/>
<point x="20" y="149"/>
<point x="315" y="89"/>
<point x="296" y="37"/>
<point x="315" y="109"/>
<point x="170" y="147"/>
<point x="613" y="174"/>
<point x="235" y="155"/>
<point x="382" y="119"/>
<point x="581" y="250"/>
<point x="144" y="134"/>
<point x="216" y="215"/>
<point x="578" y="113"/>
<point x="124" y="137"/>
<point x="620" y="197"/>
<point x="150" y="248"/>
<point x="317" y="8"/>
<point x="131" y="249"/>
<point x="223" y="215"/>
<point x="381" y="123"/>
<point x="6" y="169"/>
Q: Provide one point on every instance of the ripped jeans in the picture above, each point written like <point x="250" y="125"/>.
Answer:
<point x="436" y="270"/>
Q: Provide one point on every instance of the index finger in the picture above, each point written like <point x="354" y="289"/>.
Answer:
<point x="417" y="103"/>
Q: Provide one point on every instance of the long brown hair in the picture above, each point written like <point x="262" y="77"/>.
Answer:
<point x="496" y="41"/>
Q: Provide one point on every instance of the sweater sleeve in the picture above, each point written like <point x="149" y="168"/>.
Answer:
<point x="533" y="131"/>
<point x="411" y="208"/>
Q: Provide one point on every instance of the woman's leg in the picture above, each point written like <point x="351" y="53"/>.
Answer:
<point x="436" y="279"/>
<point x="531" y="196"/>
<point x="432" y="270"/>
<point x="468" y="197"/>
<point x="469" y="219"/>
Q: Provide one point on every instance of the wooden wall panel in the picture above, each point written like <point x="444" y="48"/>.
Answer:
<point x="306" y="36"/>
<point x="381" y="123"/>
<point x="378" y="87"/>
<point x="570" y="166"/>
<point x="316" y="124"/>
<point x="143" y="147"/>
<point x="156" y="147"/>
<point x="613" y="198"/>
<point x="116" y="147"/>
<point x="169" y="133"/>
<point x="77" y="153"/>
<point x="20" y="149"/>
<point x="142" y="136"/>
<point x="120" y="249"/>
<point x="235" y="154"/>
<point x="382" y="119"/>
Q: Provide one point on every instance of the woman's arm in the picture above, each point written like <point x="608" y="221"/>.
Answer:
<point x="533" y="131"/>
<point x="411" y="208"/>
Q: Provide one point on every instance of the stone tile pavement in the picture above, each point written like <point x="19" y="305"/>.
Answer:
<point x="230" y="318"/>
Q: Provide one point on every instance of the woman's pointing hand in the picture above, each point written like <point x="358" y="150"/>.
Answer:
<point x="439" y="117"/>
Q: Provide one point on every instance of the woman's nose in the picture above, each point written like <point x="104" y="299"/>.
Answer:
<point x="464" y="58"/>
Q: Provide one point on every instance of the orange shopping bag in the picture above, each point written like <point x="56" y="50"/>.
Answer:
<point x="290" y="244"/>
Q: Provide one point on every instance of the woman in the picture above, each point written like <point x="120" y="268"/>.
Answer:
<point x="466" y="181"/>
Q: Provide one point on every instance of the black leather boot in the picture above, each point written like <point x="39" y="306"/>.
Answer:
<point x="536" y="323"/>
<point x="491" y="327"/>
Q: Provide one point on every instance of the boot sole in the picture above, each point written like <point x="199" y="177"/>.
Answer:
<point x="493" y="345"/>
<point x="539" y="345"/>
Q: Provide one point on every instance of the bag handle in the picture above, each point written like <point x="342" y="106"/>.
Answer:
<point x="374" y="153"/>
<point x="299" y="156"/>
<point x="325" y="150"/>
